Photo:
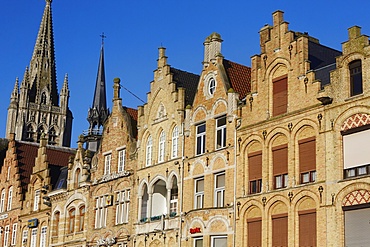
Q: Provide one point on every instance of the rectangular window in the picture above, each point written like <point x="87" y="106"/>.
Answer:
<point x="280" y="166"/>
<point x="307" y="228"/>
<point x="6" y="236"/>
<point x="174" y="201"/>
<point x="14" y="234"/>
<point x="24" y="237"/>
<point x="255" y="172"/>
<point x="254" y="232"/>
<point x="33" y="237"/>
<point x="43" y="236"/>
<point x="100" y="212"/>
<point x="121" y="160"/>
<point x="356" y="227"/>
<point x="2" y="201"/>
<point x="175" y="142"/>
<point x="10" y="199"/>
<point x="198" y="242"/>
<point x="221" y="132"/>
<point x="219" y="190"/>
<point x="201" y="139"/>
<point x="280" y="95"/>
<point x="307" y="160"/>
<point x="355" y="152"/>
<point x="355" y="70"/>
<point x="36" y="200"/>
<point x="107" y="159"/>
<point x="280" y="230"/>
<point x="122" y="206"/>
<point x="199" y="193"/>
<point x="219" y="241"/>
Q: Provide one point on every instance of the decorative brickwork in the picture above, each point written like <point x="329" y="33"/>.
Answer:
<point x="356" y="120"/>
<point x="356" y="197"/>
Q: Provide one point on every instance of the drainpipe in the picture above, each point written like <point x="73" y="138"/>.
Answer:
<point x="237" y="125"/>
<point x="182" y="183"/>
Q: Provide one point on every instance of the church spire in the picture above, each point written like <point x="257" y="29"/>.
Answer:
<point x="98" y="113"/>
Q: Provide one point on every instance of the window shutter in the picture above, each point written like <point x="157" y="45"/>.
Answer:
<point x="280" y="230"/>
<point x="357" y="227"/>
<point x="280" y="159"/>
<point x="356" y="149"/>
<point x="254" y="232"/>
<point x="280" y="95"/>
<point x="307" y="154"/>
<point x="255" y="165"/>
<point x="307" y="228"/>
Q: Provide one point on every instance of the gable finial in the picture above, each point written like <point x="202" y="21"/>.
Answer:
<point x="102" y="38"/>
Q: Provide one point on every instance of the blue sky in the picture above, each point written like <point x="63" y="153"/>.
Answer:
<point x="135" y="29"/>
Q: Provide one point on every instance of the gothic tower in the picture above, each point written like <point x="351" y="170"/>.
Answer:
<point x="36" y="107"/>
<point x="99" y="112"/>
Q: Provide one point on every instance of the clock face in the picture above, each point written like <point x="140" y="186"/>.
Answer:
<point x="211" y="86"/>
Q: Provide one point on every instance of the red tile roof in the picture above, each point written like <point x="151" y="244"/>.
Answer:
<point x="239" y="77"/>
<point x="26" y="154"/>
<point x="132" y="112"/>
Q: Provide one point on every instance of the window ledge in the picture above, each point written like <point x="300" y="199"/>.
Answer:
<point x="354" y="97"/>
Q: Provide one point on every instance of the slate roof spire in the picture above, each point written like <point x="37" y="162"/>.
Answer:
<point x="99" y="112"/>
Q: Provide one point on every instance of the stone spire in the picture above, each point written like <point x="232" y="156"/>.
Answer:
<point x="99" y="112"/>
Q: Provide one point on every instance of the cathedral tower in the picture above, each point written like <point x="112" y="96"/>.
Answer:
<point x="99" y="112"/>
<point x="36" y="107"/>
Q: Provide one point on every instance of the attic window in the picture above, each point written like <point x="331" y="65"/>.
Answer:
<point x="355" y="71"/>
<point x="211" y="86"/>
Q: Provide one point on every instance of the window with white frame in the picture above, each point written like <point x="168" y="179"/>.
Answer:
<point x="24" y="237"/>
<point x="149" y="146"/>
<point x="8" y="174"/>
<point x="174" y="197"/>
<point x="199" y="193"/>
<point x="100" y="212"/>
<point x="36" y="200"/>
<point x="122" y="206"/>
<point x="107" y="160"/>
<point x="175" y="142"/>
<point x="6" y="236"/>
<point x="356" y="152"/>
<point x="33" y="237"/>
<point x="162" y="146"/>
<point x="221" y="132"/>
<point x="43" y="236"/>
<point x="10" y="199"/>
<point x="14" y="234"/>
<point x="2" y="201"/>
<point x="200" y="139"/>
<point x="198" y="242"/>
<point x="218" y="241"/>
<point x="121" y="160"/>
<point x="220" y="190"/>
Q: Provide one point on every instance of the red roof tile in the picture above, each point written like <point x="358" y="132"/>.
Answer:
<point x="132" y="112"/>
<point x="239" y="77"/>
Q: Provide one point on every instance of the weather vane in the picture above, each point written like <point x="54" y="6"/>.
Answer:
<point x="102" y="38"/>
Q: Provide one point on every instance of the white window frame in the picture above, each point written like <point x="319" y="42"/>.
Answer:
<point x="281" y="181"/>
<point x="149" y="147"/>
<point x="2" y="201"/>
<point x="219" y="191"/>
<point x="175" y="142"/>
<point x="201" y="136"/>
<point x="36" y="200"/>
<point x="212" y="86"/>
<point x="122" y="206"/>
<point x="197" y="239"/>
<point x="8" y="174"/>
<point x="107" y="163"/>
<point x="6" y="236"/>
<point x="43" y="236"/>
<point x="14" y="234"/>
<point x="198" y="194"/>
<point x="161" y="146"/>
<point x="33" y="237"/>
<point x="10" y="199"/>
<point x="121" y="160"/>
<point x="217" y="237"/>
<point x="100" y="212"/>
<point x="221" y="130"/>
<point x="24" y="237"/>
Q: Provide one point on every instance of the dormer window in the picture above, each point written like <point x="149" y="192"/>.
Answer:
<point x="355" y="71"/>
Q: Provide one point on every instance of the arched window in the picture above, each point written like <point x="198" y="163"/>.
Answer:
<point x="10" y="199"/>
<point x="161" y="147"/>
<point x="2" y="201"/>
<point x="174" y="197"/>
<point x="149" y="147"/>
<point x="52" y="136"/>
<point x="355" y="71"/>
<point x="29" y="133"/>
<point x="144" y="204"/>
<point x="81" y="221"/>
<point x="77" y="177"/>
<point x="56" y="223"/>
<point x="71" y="220"/>
<point x="175" y="142"/>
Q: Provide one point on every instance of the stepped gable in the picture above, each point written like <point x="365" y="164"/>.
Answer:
<point x="239" y="77"/>
<point x="186" y="80"/>
<point x="27" y="152"/>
